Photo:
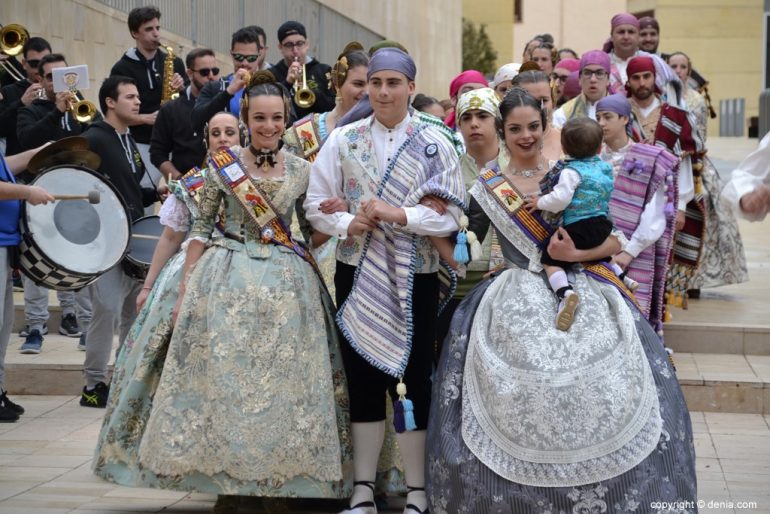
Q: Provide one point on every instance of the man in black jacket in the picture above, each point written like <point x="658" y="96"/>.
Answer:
<point x="175" y="147"/>
<point x="48" y="118"/>
<point x="293" y="44"/>
<point x="21" y="93"/>
<point x="145" y="64"/>
<point x="114" y="294"/>
<point x="225" y="95"/>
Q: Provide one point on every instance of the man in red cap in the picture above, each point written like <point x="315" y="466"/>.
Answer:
<point x="661" y="122"/>
<point x="462" y="83"/>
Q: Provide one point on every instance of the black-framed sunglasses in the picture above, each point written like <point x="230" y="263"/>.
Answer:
<point x="205" y="71"/>
<point x="241" y="57"/>
<point x="33" y="63"/>
<point x="49" y="76"/>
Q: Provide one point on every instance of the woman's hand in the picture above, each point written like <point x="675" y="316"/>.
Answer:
<point x="141" y="298"/>
<point x="561" y="247"/>
<point x="623" y="259"/>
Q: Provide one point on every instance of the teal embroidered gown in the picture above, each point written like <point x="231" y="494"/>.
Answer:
<point x="252" y="398"/>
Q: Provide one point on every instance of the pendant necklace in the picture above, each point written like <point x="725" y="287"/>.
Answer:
<point x="527" y="173"/>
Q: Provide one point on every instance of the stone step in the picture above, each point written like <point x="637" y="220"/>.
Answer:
<point x="719" y="338"/>
<point x="711" y="382"/>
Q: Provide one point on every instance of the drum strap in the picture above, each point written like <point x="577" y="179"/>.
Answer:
<point x="230" y="172"/>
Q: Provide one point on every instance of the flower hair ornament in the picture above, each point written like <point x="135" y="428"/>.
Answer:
<point x="339" y="71"/>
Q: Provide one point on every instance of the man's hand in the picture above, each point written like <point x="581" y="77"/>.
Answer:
<point x="435" y="203"/>
<point x="756" y="203"/>
<point x="294" y="72"/>
<point x="30" y="94"/>
<point x="238" y="82"/>
<point x="679" y="221"/>
<point x="332" y="205"/>
<point x="64" y="101"/>
<point x="377" y="210"/>
<point x="623" y="259"/>
<point x="360" y="224"/>
<point x="177" y="82"/>
<point x="38" y="195"/>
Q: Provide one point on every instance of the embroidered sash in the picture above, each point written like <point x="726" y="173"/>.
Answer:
<point x="304" y="138"/>
<point x="538" y="229"/>
<point x="376" y="318"/>
<point x="227" y="168"/>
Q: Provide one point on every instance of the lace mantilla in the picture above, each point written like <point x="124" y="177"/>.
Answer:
<point x="550" y="408"/>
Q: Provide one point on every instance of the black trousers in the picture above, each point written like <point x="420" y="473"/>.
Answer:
<point x="366" y="384"/>
<point x="586" y="234"/>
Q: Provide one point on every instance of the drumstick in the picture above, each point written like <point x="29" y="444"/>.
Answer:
<point x="92" y="197"/>
<point x="144" y="236"/>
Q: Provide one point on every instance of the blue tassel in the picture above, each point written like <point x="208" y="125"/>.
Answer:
<point x="461" y="249"/>
<point x="409" y="423"/>
<point x="399" y="423"/>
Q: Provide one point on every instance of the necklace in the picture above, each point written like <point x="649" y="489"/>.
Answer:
<point x="526" y="173"/>
<point x="264" y="158"/>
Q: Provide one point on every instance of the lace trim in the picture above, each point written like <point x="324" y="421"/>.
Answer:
<point x="506" y="227"/>
<point x="175" y="215"/>
<point x="539" y="417"/>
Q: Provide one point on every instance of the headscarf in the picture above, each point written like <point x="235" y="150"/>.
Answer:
<point x="386" y="43"/>
<point x="624" y="19"/>
<point x="572" y="86"/>
<point x="466" y="77"/>
<point x="568" y="64"/>
<point x="506" y="72"/>
<point x="393" y="59"/>
<point x="619" y="104"/>
<point x="595" y="57"/>
<point x="647" y="22"/>
<point x="484" y="99"/>
<point x="639" y="64"/>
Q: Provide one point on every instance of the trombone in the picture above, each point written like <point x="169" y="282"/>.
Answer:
<point x="12" y="40"/>
<point x="303" y="95"/>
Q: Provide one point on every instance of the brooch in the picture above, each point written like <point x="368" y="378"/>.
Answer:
<point x="431" y="150"/>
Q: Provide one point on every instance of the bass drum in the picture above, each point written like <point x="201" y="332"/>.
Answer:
<point x="145" y="234"/>
<point x="67" y="244"/>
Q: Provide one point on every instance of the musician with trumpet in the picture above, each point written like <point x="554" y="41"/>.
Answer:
<point x="53" y="115"/>
<point x="23" y="92"/>
<point x="305" y="77"/>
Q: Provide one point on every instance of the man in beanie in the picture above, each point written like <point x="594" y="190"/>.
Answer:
<point x="462" y="83"/>
<point x="641" y="205"/>
<point x="594" y="81"/>
<point x="294" y="45"/>
<point x="386" y="281"/>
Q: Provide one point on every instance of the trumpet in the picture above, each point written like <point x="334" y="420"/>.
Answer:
<point x="12" y="40"/>
<point x="82" y="110"/>
<point x="303" y="95"/>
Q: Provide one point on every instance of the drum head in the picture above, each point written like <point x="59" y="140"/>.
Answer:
<point x="78" y="236"/>
<point x="145" y="234"/>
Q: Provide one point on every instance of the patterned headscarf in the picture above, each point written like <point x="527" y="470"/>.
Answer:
<point x="506" y="72"/>
<point x="484" y="99"/>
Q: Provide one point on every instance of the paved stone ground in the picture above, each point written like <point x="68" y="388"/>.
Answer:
<point x="45" y="466"/>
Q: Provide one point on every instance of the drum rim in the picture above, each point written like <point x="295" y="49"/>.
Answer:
<point x="25" y="226"/>
<point x="127" y="255"/>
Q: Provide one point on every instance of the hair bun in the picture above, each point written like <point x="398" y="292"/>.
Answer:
<point x="261" y="77"/>
<point x="350" y="47"/>
<point x="529" y="66"/>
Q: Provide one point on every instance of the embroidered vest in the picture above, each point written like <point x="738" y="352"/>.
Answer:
<point x="592" y="196"/>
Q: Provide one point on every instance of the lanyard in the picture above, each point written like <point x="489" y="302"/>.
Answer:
<point x="127" y="149"/>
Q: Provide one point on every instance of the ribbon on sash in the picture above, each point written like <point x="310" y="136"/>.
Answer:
<point x="538" y="229"/>
<point x="228" y="169"/>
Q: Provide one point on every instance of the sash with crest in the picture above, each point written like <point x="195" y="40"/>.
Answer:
<point x="536" y="228"/>
<point x="304" y="138"/>
<point x="229" y="171"/>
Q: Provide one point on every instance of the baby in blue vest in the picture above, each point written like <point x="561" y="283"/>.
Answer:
<point x="582" y="194"/>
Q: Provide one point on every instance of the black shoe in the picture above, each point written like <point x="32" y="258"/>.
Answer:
<point x="8" y="404"/>
<point x="96" y="397"/>
<point x="69" y="326"/>
<point x="7" y="415"/>
<point x="24" y="332"/>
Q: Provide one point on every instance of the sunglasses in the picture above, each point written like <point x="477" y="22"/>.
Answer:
<point x="241" y="57"/>
<point x="600" y="74"/>
<point x="33" y="63"/>
<point x="205" y="71"/>
<point x="49" y="76"/>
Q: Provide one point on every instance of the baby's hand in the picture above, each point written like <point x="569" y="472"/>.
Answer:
<point x="530" y="202"/>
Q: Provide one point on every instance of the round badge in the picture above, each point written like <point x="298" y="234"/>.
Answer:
<point x="431" y="150"/>
<point x="267" y="233"/>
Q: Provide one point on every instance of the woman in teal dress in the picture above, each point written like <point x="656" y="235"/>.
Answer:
<point x="140" y="359"/>
<point x="252" y="396"/>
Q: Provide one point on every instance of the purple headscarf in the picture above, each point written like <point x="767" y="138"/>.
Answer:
<point x="624" y="19"/>
<point x="617" y="103"/>
<point x="392" y="59"/>
<point x="595" y="57"/>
